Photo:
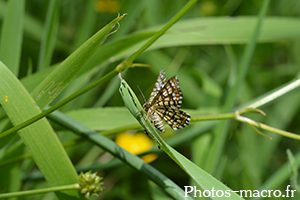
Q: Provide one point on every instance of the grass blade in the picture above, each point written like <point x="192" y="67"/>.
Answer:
<point x="278" y="178"/>
<point x="59" y="78"/>
<point x="49" y="35"/>
<point x="88" y="21"/>
<point x="58" y="105"/>
<point x="39" y="138"/>
<point x="222" y="129"/>
<point x="11" y="35"/>
<point x="201" y="31"/>
<point x="274" y="94"/>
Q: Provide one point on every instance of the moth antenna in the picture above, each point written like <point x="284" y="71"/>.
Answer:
<point x="142" y="94"/>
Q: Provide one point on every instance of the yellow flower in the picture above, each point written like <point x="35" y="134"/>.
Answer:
<point x="110" y="6"/>
<point x="136" y="144"/>
<point x="208" y="8"/>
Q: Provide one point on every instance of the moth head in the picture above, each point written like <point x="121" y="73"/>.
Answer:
<point x="146" y="106"/>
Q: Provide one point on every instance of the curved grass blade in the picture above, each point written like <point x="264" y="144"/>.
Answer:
<point x="10" y="53"/>
<point x="60" y="77"/>
<point x="205" y="180"/>
<point x="39" y="138"/>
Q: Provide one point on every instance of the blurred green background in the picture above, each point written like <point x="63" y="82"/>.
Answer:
<point x="204" y="51"/>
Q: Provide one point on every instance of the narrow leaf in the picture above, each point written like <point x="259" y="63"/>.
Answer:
<point x="221" y="131"/>
<point x="11" y="35"/>
<point x="49" y="35"/>
<point x="59" y="78"/>
<point x="39" y="138"/>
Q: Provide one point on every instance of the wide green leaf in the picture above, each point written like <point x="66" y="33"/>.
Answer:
<point x="39" y="138"/>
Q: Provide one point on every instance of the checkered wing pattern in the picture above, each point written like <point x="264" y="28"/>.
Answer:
<point x="164" y="103"/>
<point x="169" y="95"/>
<point x="176" y="118"/>
<point x="160" y="83"/>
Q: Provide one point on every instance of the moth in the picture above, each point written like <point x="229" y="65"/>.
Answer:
<point x="164" y="103"/>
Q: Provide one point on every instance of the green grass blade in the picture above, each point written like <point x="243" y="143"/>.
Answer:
<point x="294" y="170"/>
<point x="33" y="28"/>
<point x="10" y="174"/>
<point x="221" y="131"/>
<point x="58" y="105"/>
<point x="59" y="78"/>
<point x="49" y="35"/>
<point x="165" y="183"/>
<point x="285" y="29"/>
<point x="275" y="94"/>
<point x="39" y="138"/>
<point x="11" y="38"/>
<point x="162" y="31"/>
<point x="103" y="118"/>
<point x="201" y="31"/>
<point x="116" y="118"/>
<point x="12" y="35"/>
<point x="30" y="82"/>
<point x="86" y="25"/>
<point x="278" y="178"/>
<point x="205" y="180"/>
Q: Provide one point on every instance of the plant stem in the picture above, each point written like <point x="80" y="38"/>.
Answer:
<point x="237" y="116"/>
<point x="268" y="128"/>
<point x="213" y="117"/>
<point x="162" y="31"/>
<point x="40" y="191"/>
<point x="274" y="95"/>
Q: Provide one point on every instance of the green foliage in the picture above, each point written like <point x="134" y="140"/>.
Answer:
<point x="227" y="56"/>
